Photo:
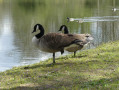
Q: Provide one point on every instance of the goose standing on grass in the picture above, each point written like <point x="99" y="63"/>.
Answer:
<point x="49" y="42"/>
<point x="54" y="42"/>
<point x="81" y="40"/>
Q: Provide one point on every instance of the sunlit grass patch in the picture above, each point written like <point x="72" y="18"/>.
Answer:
<point x="91" y="69"/>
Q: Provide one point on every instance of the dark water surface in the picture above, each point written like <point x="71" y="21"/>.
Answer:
<point x="17" y="18"/>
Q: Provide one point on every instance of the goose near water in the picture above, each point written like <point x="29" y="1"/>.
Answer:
<point x="57" y="42"/>
<point x="81" y="40"/>
<point x="49" y="42"/>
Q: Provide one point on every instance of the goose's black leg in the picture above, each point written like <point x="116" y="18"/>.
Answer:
<point x="53" y="57"/>
<point x="74" y="53"/>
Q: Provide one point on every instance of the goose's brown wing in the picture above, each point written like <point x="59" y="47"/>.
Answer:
<point x="57" y="41"/>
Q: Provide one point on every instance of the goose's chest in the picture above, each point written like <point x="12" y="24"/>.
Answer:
<point x="43" y="45"/>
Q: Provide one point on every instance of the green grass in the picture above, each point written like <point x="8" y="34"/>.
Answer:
<point x="94" y="69"/>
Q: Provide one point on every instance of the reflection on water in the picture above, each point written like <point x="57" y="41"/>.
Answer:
<point x="6" y="42"/>
<point x="17" y="18"/>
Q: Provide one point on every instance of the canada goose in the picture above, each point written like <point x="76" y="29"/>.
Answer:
<point x="81" y="40"/>
<point x="54" y="42"/>
<point x="64" y="27"/>
<point x="70" y="19"/>
<point x="114" y="9"/>
<point x="73" y="19"/>
<point x="47" y="43"/>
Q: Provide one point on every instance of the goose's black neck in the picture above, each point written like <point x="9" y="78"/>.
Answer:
<point x="65" y="29"/>
<point x="40" y="27"/>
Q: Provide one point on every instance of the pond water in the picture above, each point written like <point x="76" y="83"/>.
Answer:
<point x="17" y="18"/>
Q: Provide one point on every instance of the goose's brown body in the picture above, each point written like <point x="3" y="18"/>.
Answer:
<point x="80" y="40"/>
<point x="54" y="42"/>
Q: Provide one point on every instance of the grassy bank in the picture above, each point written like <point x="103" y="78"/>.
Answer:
<point x="91" y="69"/>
